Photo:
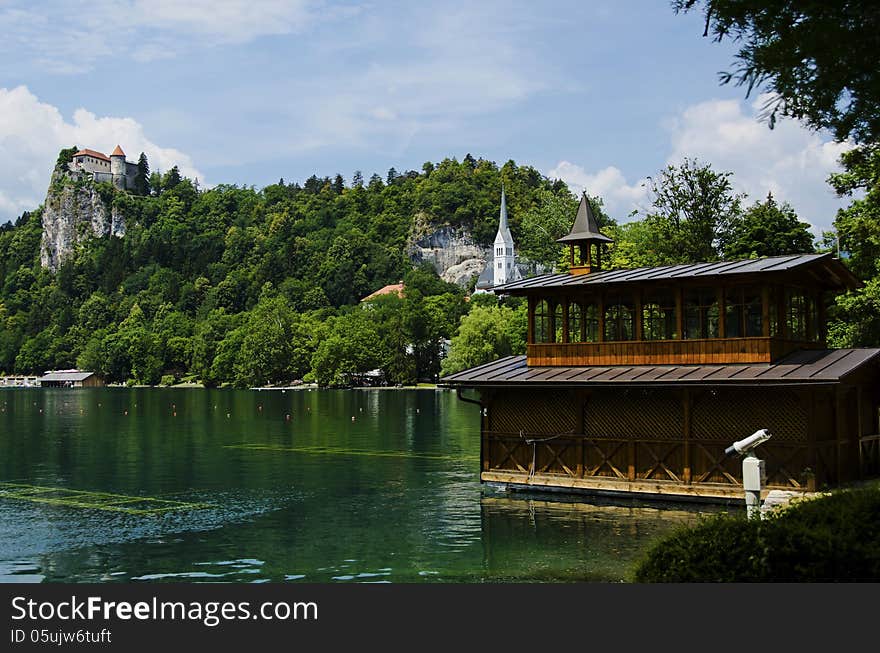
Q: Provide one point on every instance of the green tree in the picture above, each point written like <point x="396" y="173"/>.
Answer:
<point x="486" y="334"/>
<point x="855" y="317"/>
<point x="65" y="157"/>
<point x="171" y="179"/>
<point x="692" y="207"/>
<point x="352" y="347"/>
<point x="766" y="229"/>
<point x="142" y="178"/>
<point x="819" y="59"/>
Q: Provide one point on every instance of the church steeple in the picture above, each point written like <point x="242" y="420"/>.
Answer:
<point x="504" y="268"/>
<point x="583" y="235"/>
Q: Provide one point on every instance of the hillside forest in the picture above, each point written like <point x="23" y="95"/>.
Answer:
<point x="238" y="286"/>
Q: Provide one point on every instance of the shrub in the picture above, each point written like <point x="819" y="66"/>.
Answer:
<point x="168" y="379"/>
<point x="831" y="538"/>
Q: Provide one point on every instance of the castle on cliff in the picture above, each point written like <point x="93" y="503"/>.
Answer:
<point x="100" y="167"/>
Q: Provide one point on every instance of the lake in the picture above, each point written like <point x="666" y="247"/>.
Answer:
<point x="193" y="485"/>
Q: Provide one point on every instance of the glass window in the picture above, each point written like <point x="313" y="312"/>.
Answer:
<point x="742" y="314"/>
<point x="658" y="316"/>
<point x="591" y="322"/>
<point x="796" y="314"/>
<point x="619" y="318"/>
<point x="542" y="321"/>
<point x="575" y="322"/>
<point x="557" y="321"/>
<point x="700" y="313"/>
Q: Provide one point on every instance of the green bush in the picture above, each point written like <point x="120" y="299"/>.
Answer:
<point x="168" y="379"/>
<point x="832" y="538"/>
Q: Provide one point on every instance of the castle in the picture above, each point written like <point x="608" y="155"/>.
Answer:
<point x="100" y="167"/>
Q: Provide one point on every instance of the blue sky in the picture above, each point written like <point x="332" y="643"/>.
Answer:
<point x="601" y="94"/>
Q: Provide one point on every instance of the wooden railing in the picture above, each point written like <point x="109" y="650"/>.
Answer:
<point x="664" y="352"/>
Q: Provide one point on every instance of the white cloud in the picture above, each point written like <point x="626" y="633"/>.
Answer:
<point x="620" y="197"/>
<point x="71" y="36"/>
<point x="790" y="161"/>
<point x="33" y="132"/>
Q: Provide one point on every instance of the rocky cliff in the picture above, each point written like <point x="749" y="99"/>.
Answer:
<point x="452" y="251"/>
<point x="74" y="211"/>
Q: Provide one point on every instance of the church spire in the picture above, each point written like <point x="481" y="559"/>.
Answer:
<point x="504" y="266"/>
<point x="503" y="229"/>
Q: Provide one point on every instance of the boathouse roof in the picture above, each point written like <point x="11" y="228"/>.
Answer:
<point x="826" y="366"/>
<point x="821" y="269"/>
<point x="65" y="376"/>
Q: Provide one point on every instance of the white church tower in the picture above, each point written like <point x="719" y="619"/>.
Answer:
<point x="505" y="257"/>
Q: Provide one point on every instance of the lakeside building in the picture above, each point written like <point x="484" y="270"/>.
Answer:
<point x="635" y="381"/>
<point x="70" y="379"/>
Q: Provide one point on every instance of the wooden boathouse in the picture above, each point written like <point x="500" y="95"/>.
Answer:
<point x="635" y="381"/>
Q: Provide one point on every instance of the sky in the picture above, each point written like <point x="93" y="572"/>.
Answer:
<point x="601" y="94"/>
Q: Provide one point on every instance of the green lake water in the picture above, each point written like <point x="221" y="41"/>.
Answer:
<point x="193" y="485"/>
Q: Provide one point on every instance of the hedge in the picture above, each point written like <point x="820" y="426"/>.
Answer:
<point x="830" y="538"/>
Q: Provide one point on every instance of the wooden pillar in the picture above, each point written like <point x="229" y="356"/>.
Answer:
<point x="631" y="460"/>
<point x="565" y="319"/>
<point x="781" y="327"/>
<point x="531" y="326"/>
<point x="551" y="320"/>
<point x="857" y="441"/>
<point x="822" y="317"/>
<point x="600" y="337"/>
<point x="686" y="433"/>
<point x="485" y="427"/>
<point x="679" y="312"/>
<point x="722" y="312"/>
<point x="839" y="417"/>
<point x="812" y="434"/>
<point x="583" y="397"/>
<point x="637" y="309"/>
<point x="765" y="311"/>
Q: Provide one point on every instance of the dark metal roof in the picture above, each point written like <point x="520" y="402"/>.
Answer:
<point x="65" y="376"/>
<point x="585" y="227"/>
<point x="833" y="272"/>
<point x="815" y="366"/>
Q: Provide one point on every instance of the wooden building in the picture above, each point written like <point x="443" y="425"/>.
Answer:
<point x="637" y="380"/>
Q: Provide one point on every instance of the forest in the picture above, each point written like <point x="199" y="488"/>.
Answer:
<point x="238" y="286"/>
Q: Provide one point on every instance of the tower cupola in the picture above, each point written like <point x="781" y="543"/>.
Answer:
<point x="583" y="236"/>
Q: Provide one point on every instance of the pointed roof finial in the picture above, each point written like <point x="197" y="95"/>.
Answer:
<point x="503" y="228"/>
<point x="118" y="151"/>
<point x="585" y="227"/>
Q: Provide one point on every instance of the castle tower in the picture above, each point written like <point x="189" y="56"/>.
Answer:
<point x="583" y="236"/>
<point x="117" y="167"/>
<point x="504" y="267"/>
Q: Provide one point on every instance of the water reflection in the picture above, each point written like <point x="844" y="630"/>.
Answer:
<point x="298" y="491"/>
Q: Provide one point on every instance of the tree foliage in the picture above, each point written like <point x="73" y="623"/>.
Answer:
<point x="766" y="229"/>
<point x="692" y="208"/>
<point x="818" y="59"/>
